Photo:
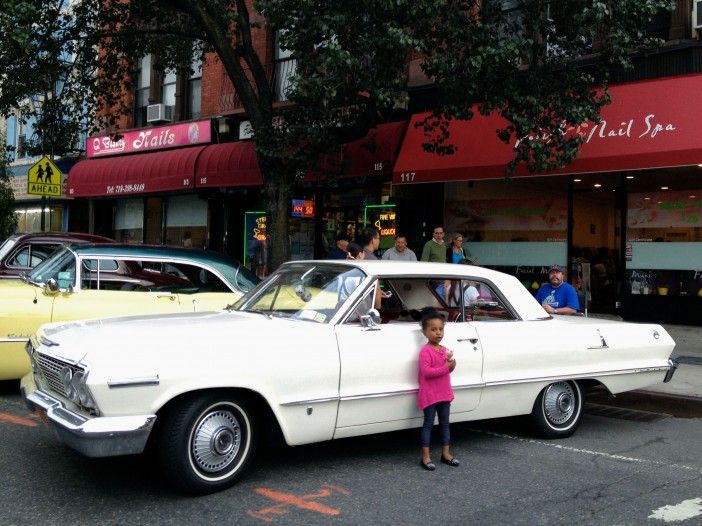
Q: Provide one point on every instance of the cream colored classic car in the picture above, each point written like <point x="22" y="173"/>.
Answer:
<point x="100" y="280"/>
<point x="318" y="352"/>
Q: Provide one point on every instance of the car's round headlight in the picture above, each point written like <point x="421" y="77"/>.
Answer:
<point x="66" y="376"/>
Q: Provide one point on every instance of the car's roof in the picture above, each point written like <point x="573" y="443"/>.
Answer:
<point x="156" y="251"/>
<point x="230" y="268"/>
<point x="62" y="236"/>
<point x="385" y="267"/>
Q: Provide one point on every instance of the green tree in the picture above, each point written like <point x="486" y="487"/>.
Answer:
<point x="521" y="58"/>
<point x="8" y="219"/>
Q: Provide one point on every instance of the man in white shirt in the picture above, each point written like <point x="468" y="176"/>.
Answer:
<point x="400" y="252"/>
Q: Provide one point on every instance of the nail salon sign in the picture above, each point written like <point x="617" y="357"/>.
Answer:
<point x="151" y="139"/>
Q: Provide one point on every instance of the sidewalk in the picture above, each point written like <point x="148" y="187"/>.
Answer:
<point x="687" y="380"/>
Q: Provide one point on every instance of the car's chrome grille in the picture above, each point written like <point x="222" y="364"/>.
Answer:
<point x="51" y="370"/>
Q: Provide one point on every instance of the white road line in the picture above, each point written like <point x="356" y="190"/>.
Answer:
<point x="687" y="509"/>
<point x="587" y="451"/>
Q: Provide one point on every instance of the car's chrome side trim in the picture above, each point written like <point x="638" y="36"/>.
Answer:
<point x="535" y="379"/>
<point x="373" y="395"/>
<point x="132" y="382"/>
<point x="311" y="401"/>
<point x="12" y="340"/>
<point x="577" y="376"/>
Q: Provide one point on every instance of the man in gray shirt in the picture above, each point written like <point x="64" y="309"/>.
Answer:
<point x="400" y="252"/>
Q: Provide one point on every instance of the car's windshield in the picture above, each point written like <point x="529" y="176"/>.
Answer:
<point x="7" y="246"/>
<point x="310" y="292"/>
<point x="60" y="266"/>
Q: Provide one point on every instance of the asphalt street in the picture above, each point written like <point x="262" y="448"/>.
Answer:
<point x="614" y="470"/>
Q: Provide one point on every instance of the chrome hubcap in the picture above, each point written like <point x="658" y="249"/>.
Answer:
<point x="216" y="441"/>
<point x="559" y="403"/>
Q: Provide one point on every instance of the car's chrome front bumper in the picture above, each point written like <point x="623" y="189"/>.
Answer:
<point x="671" y="371"/>
<point x="93" y="437"/>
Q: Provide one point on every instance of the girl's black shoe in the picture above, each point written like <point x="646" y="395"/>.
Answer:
<point x="453" y="462"/>
<point x="429" y="466"/>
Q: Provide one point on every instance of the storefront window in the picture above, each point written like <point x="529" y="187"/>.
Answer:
<point x="255" y="253"/>
<point x="517" y="225"/>
<point x="129" y="220"/>
<point x="186" y="221"/>
<point x="29" y="219"/>
<point x="664" y="233"/>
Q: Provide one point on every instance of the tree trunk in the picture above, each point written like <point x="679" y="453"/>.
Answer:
<point x="277" y="192"/>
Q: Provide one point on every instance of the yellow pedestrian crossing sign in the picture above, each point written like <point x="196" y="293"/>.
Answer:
<point x="44" y="178"/>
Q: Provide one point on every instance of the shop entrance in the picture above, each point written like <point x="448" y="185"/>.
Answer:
<point x="597" y="217"/>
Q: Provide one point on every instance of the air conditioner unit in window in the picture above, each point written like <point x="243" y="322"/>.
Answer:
<point x="245" y="130"/>
<point x="156" y="113"/>
<point x="697" y="15"/>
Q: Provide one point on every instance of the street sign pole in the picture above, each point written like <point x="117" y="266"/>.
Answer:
<point x="42" y="219"/>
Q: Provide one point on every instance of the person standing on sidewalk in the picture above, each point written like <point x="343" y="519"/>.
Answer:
<point x="369" y="239"/>
<point x="557" y="296"/>
<point x="340" y="251"/>
<point x="434" y="249"/>
<point x="457" y="252"/>
<point x="400" y="252"/>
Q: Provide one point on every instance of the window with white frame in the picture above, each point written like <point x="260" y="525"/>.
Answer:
<point x="168" y="87"/>
<point x="285" y="66"/>
<point x="143" y="87"/>
<point x="194" y="101"/>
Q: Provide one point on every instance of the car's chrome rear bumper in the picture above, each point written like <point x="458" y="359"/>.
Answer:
<point x="671" y="371"/>
<point x="94" y="437"/>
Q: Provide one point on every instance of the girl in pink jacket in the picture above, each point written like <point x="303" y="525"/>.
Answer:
<point x="435" y="393"/>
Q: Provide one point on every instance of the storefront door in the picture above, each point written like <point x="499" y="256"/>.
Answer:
<point x="596" y="240"/>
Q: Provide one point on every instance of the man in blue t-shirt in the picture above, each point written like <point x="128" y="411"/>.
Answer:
<point x="557" y="296"/>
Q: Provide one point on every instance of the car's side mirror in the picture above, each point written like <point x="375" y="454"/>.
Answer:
<point x="371" y="320"/>
<point x="51" y="286"/>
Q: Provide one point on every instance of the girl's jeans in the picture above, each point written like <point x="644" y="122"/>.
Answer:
<point x="442" y="409"/>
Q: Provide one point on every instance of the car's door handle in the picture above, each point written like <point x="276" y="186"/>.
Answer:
<point x="169" y="296"/>
<point x="471" y="340"/>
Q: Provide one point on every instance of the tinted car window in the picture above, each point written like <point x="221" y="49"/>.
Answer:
<point x="30" y="256"/>
<point x="7" y="246"/>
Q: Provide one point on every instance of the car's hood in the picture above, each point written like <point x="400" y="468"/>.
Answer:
<point x="120" y="341"/>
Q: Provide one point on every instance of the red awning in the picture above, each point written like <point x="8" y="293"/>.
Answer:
<point x="134" y="174"/>
<point x="228" y="164"/>
<point x="375" y="154"/>
<point x="650" y="124"/>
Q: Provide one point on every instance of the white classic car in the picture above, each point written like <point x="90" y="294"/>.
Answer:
<point x="323" y="350"/>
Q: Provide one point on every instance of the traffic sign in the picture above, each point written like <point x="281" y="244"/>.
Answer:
<point x="44" y="178"/>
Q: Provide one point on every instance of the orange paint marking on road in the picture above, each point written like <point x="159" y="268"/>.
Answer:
<point x="288" y="500"/>
<point x="18" y="420"/>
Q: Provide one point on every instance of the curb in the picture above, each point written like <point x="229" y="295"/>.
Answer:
<point x="681" y="406"/>
<point x="659" y="395"/>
